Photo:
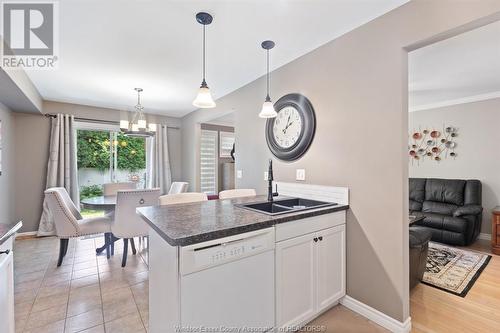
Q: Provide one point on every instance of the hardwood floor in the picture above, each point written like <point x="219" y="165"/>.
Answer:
<point x="433" y="310"/>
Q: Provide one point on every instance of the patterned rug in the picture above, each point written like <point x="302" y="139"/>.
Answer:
<point x="453" y="270"/>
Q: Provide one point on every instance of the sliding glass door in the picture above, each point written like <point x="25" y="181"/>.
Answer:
<point x="105" y="155"/>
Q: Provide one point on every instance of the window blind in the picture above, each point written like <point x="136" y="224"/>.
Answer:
<point x="208" y="162"/>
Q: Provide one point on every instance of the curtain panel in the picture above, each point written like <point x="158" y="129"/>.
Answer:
<point x="158" y="161"/>
<point x="61" y="166"/>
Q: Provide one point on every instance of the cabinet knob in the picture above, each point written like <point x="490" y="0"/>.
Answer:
<point x="320" y="238"/>
<point x="315" y="239"/>
<point x="5" y="252"/>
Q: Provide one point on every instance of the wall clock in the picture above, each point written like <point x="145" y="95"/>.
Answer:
<point x="291" y="132"/>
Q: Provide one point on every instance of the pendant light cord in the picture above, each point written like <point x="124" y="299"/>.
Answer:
<point x="204" y="53"/>
<point x="268" y="84"/>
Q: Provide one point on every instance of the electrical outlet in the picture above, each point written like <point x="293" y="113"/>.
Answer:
<point x="239" y="173"/>
<point x="300" y="174"/>
<point x="266" y="175"/>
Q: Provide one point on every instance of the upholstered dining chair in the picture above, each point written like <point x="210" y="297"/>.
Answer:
<point x="178" y="187"/>
<point x="127" y="223"/>
<point x="242" y="192"/>
<point x="171" y="199"/>
<point x="109" y="189"/>
<point x="69" y="222"/>
<point x="113" y="188"/>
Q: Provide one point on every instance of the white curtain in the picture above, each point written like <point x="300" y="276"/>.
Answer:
<point x="158" y="161"/>
<point x="61" y="167"/>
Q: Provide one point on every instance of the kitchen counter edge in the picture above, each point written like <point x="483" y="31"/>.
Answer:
<point x="8" y="230"/>
<point x="272" y="221"/>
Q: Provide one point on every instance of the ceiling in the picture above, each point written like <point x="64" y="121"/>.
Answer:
<point x="461" y="69"/>
<point x="109" y="47"/>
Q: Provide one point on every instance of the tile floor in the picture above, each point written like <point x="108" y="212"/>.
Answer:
<point x="88" y="293"/>
<point x="91" y="294"/>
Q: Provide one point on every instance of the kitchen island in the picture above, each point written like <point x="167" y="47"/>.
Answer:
<point x="217" y="267"/>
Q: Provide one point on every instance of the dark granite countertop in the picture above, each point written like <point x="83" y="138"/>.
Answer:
<point x="186" y="224"/>
<point x="7" y="230"/>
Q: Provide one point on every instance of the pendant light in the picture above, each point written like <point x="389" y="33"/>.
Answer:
<point x="204" y="98"/>
<point x="139" y="126"/>
<point x="268" y="107"/>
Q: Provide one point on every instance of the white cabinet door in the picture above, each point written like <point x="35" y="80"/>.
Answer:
<point x="6" y="293"/>
<point x="295" y="281"/>
<point x="330" y="263"/>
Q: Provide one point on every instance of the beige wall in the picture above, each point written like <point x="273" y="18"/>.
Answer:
<point x="32" y="134"/>
<point x="7" y="176"/>
<point x="477" y="155"/>
<point x="358" y="87"/>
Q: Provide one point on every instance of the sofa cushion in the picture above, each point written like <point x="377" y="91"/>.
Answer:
<point x="438" y="207"/>
<point x="417" y="189"/>
<point x="445" y="190"/>
<point x="446" y="222"/>
<point x="415" y="206"/>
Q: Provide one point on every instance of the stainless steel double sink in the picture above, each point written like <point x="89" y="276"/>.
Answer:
<point x="284" y="206"/>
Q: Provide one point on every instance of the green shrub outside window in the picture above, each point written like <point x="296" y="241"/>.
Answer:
<point x="93" y="149"/>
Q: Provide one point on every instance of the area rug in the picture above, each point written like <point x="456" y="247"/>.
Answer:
<point x="453" y="270"/>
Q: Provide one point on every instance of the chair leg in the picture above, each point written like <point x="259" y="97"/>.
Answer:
<point x="125" y="252"/>
<point x="132" y="243"/>
<point x="112" y="243"/>
<point x="107" y="241"/>
<point x="63" y="248"/>
<point x="66" y="247"/>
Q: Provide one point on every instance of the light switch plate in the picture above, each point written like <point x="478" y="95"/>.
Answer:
<point x="266" y="175"/>
<point x="300" y="174"/>
<point x="239" y="173"/>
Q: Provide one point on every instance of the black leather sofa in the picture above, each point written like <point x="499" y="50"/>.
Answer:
<point x="452" y="208"/>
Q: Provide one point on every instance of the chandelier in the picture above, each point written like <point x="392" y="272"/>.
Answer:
<point x="138" y="127"/>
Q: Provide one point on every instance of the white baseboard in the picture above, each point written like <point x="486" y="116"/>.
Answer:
<point x="27" y="233"/>
<point x="376" y="316"/>
<point x="485" y="236"/>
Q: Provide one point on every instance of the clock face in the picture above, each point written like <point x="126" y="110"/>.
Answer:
<point x="291" y="132"/>
<point x="287" y="127"/>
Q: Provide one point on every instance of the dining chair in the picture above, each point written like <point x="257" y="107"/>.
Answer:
<point x="69" y="223"/>
<point x="127" y="223"/>
<point x="241" y="192"/>
<point x="178" y="187"/>
<point x="171" y="199"/>
<point x="113" y="188"/>
<point x="110" y="189"/>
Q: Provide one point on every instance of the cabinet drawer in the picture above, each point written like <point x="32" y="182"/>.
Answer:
<point x="301" y="227"/>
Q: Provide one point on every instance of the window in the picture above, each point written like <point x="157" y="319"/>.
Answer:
<point x="208" y="162"/>
<point x="104" y="155"/>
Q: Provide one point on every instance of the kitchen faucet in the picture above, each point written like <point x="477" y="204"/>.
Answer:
<point x="270" y="178"/>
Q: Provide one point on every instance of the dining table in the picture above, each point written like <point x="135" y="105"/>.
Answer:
<point x="106" y="203"/>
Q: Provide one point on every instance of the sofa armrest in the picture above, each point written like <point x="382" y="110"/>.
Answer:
<point x="468" y="210"/>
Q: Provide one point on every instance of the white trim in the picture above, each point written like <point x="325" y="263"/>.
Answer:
<point x="376" y="316"/>
<point x="464" y="100"/>
<point x="485" y="236"/>
<point x="27" y="233"/>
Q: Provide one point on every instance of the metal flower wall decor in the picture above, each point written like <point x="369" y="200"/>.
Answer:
<point x="432" y="144"/>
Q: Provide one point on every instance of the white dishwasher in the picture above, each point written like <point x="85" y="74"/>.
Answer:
<point x="227" y="285"/>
